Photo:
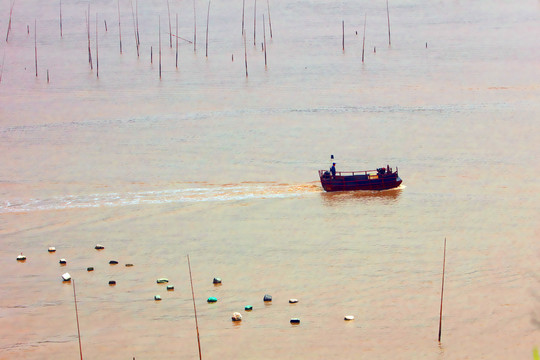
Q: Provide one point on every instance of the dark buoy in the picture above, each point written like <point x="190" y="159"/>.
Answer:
<point x="99" y="247"/>
<point x="162" y="280"/>
<point x="63" y="262"/>
<point x="91" y="268"/>
<point x="129" y="265"/>
<point x="295" y="321"/>
<point x="216" y="281"/>
<point x="331" y="156"/>
<point x="267" y="297"/>
<point x="170" y="288"/>
<point x="112" y="282"/>
<point x="113" y="262"/>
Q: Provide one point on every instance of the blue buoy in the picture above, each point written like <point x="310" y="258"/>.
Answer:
<point x="267" y="297"/>
<point x="212" y="299"/>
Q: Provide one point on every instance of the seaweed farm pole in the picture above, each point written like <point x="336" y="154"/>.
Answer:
<point x="245" y="55"/>
<point x="35" y="43"/>
<point x="134" y="29"/>
<point x="61" y="35"/>
<point x="77" y="317"/>
<point x="2" y="68"/>
<point x="159" y="31"/>
<point x="269" y="19"/>
<point x="343" y="35"/>
<point x="105" y="21"/>
<point x="170" y="31"/>
<point x="364" y="38"/>
<point x="243" y="11"/>
<point x="9" y="24"/>
<point x="194" y="308"/>
<point x="194" y="27"/>
<point x="254" y="23"/>
<point x="97" y="53"/>
<point x="264" y="39"/>
<point x="207" y="21"/>
<point x="88" y="31"/>
<point x="388" y="17"/>
<point x="137" y="21"/>
<point x="177" y="40"/>
<point x="442" y="290"/>
<point x="119" y="27"/>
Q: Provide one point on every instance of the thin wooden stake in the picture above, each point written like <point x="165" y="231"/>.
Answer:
<point x="255" y="23"/>
<point x="343" y="35"/>
<point x="119" y="27"/>
<point x="9" y="24"/>
<point x="2" y="68"/>
<point x="134" y="28"/>
<point x="137" y="21"/>
<point x="77" y="317"/>
<point x="47" y="76"/>
<point x="207" y="21"/>
<point x="88" y="31"/>
<point x="442" y="290"/>
<point x="264" y="39"/>
<point x="194" y="27"/>
<point x="269" y="18"/>
<point x="159" y="20"/>
<point x="97" y="51"/>
<point x="61" y="35"/>
<point x="194" y="309"/>
<point x="245" y="55"/>
<point x="364" y="38"/>
<point x="170" y="31"/>
<point x="35" y="43"/>
<point x="105" y="21"/>
<point x="388" y="16"/>
<point x="243" y="10"/>
<point x="151" y="56"/>
<point x="177" y="40"/>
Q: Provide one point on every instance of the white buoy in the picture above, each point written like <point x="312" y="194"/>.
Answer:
<point x="52" y="249"/>
<point x="349" y="317"/>
<point x="236" y="316"/>
<point x="293" y="301"/>
<point x="99" y="247"/>
<point x="21" y="257"/>
<point x="157" y="297"/>
<point x="66" y="277"/>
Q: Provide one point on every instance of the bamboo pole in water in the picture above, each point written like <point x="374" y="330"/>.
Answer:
<point x="269" y="18"/>
<point x="134" y="28"/>
<point x="97" y="51"/>
<point x="119" y="27"/>
<point x="207" y="21"/>
<point x="194" y="309"/>
<point x="77" y="318"/>
<point x="2" y="68"/>
<point x="245" y="55"/>
<point x="343" y="35"/>
<point x="388" y="17"/>
<point x="105" y="21"/>
<point x="194" y="27"/>
<point x="88" y="31"/>
<point x="243" y="11"/>
<point x="442" y="290"/>
<point x="61" y="34"/>
<point x="9" y="24"/>
<point x="137" y="21"/>
<point x="255" y="23"/>
<point x="170" y="31"/>
<point x="35" y="43"/>
<point x="159" y="31"/>
<point x="264" y="39"/>
<point x="364" y="38"/>
<point x="177" y="40"/>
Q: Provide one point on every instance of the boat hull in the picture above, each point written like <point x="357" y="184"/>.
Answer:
<point x="359" y="182"/>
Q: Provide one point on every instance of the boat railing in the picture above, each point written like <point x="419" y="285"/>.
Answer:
<point x="352" y="173"/>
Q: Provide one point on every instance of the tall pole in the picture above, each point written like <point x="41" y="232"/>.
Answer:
<point x="194" y="309"/>
<point x="77" y="317"/>
<point x="388" y="17"/>
<point x="442" y="290"/>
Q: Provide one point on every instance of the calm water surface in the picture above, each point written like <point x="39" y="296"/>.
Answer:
<point x="208" y="163"/>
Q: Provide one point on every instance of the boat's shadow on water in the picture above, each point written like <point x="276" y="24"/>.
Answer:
<point x="362" y="196"/>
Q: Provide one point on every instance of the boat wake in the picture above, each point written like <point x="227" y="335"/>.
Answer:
<point x="206" y="193"/>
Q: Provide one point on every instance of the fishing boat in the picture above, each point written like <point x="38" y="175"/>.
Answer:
<point x="379" y="179"/>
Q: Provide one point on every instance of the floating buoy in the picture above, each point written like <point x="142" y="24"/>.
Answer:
<point x="112" y="282"/>
<point x="217" y="281"/>
<point x="99" y="247"/>
<point x="212" y="299"/>
<point x="295" y="321"/>
<point x="21" y="257"/>
<point x="63" y="262"/>
<point x="66" y="277"/>
<point x="170" y="287"/>
<point x="349" y="317"/>
<point x="236" y="317"/>
<point x="267" y="297"/>
<point x="52" y="249"/>
<point x="162" y="280"/>
<point x="129" y="265"/>
<point x="157" y="297"/>
<point x="248" y="308"/>
<point x="91" y="268"/>
<point x="113" y="262"/>
<point x="293" y="301"/>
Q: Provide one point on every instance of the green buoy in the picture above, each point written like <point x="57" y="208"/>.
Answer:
<point x="212" y="299"/>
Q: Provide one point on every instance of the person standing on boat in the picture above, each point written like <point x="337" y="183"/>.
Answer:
<point x="333" y="170"/>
